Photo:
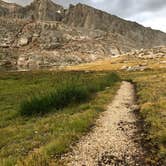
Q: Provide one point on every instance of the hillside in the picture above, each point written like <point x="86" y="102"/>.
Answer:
<point x="8" y="9"/>
<point x="45" y="35"/>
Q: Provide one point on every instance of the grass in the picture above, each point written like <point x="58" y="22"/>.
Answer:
<point x="151" y="92"/>
<point x="72" y="90"/>
<point x="39" y="140"/>
<point x="58" y="99"/>
<point x="69" y="103"/>
<point x="116" y="64"/>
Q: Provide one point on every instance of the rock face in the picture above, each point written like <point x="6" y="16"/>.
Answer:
<point x="8" y="9"/>
<point x="90" y="18"/>
<point x="37" y="10"/>
<point x="44" y="34"/>
<point x="42" y="10"/>
<point x="153" y="53"/>
<point x="156" y="55"/>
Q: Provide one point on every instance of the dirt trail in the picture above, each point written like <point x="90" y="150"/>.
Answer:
<point x="113" y="139"/>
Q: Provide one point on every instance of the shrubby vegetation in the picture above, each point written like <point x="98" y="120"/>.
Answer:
<point x="72" y="89"/>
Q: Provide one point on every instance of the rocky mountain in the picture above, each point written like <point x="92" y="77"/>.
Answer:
<point x="42" y="10"/>
<point x="90" y="18"/>
<point x="7" y="9"/>
<point x="37" y="10"/>
<point x="44" y="34"/>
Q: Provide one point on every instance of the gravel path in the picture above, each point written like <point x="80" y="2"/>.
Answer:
<point x="113" y="139"/>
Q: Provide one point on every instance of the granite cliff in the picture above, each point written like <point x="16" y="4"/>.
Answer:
<point x="44" y="34"/>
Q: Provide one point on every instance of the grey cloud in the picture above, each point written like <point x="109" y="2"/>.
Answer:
<point x="154" y="4"/>
<point x="20" y="2"/>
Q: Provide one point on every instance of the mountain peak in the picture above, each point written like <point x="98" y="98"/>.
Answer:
<point x="42" y="10"/>
<point x="85" y="17"/>
<point x="6" y="4"/>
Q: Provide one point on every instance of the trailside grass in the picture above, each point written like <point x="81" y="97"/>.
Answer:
<point x="72" y="89"/>
<point x="39" y="136"/>
<point x="151" y="93"/>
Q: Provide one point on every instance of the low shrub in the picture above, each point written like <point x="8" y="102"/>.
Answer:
<point x="72" y="90"/>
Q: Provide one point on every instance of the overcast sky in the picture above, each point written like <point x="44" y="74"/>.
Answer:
<point x="150" y="13"/>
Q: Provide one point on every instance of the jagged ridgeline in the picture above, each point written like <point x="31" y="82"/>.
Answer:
<point x="44" y="34"/>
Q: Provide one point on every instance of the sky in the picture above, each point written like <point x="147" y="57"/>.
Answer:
<point x="150" y="13"/>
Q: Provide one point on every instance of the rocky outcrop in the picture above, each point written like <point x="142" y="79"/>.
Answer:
<point x="37" y="10"/>
<point x="83" y="16"/>
<point x="45" y="44"/>
<point x="8" y="59"/>
<point x="153" y="53"/>
<point x="44" y="34"/>
<point x="42" y="10"/>
<point x="8" y="9"/>
<point x="89" y="18"/>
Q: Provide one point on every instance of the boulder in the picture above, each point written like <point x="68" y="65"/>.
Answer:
<point x="23" y="41"/>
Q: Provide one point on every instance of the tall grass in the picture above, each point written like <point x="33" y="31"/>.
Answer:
<point x="71" y="90"/>
<point x="151" y="95"/>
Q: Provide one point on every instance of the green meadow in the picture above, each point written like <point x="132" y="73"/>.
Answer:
<point x="43" y="113"/>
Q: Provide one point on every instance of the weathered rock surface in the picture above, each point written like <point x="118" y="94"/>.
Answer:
<point x="8" y="9"/>
<point x="153" y="53"/>
<point x="87" y="17"/>
<point x="72" y="45"/>
<point x="42" y="10"/>
<point x="50" y="35"/>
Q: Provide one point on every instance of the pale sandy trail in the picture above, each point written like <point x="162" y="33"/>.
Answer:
<point x="112" y="140"/>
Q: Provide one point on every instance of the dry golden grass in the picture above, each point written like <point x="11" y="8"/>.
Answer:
<point x="151" y="93"/>
<point x="116" y="64"/>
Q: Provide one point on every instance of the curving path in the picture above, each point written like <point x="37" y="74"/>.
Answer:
<point x="113" y="141"/>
